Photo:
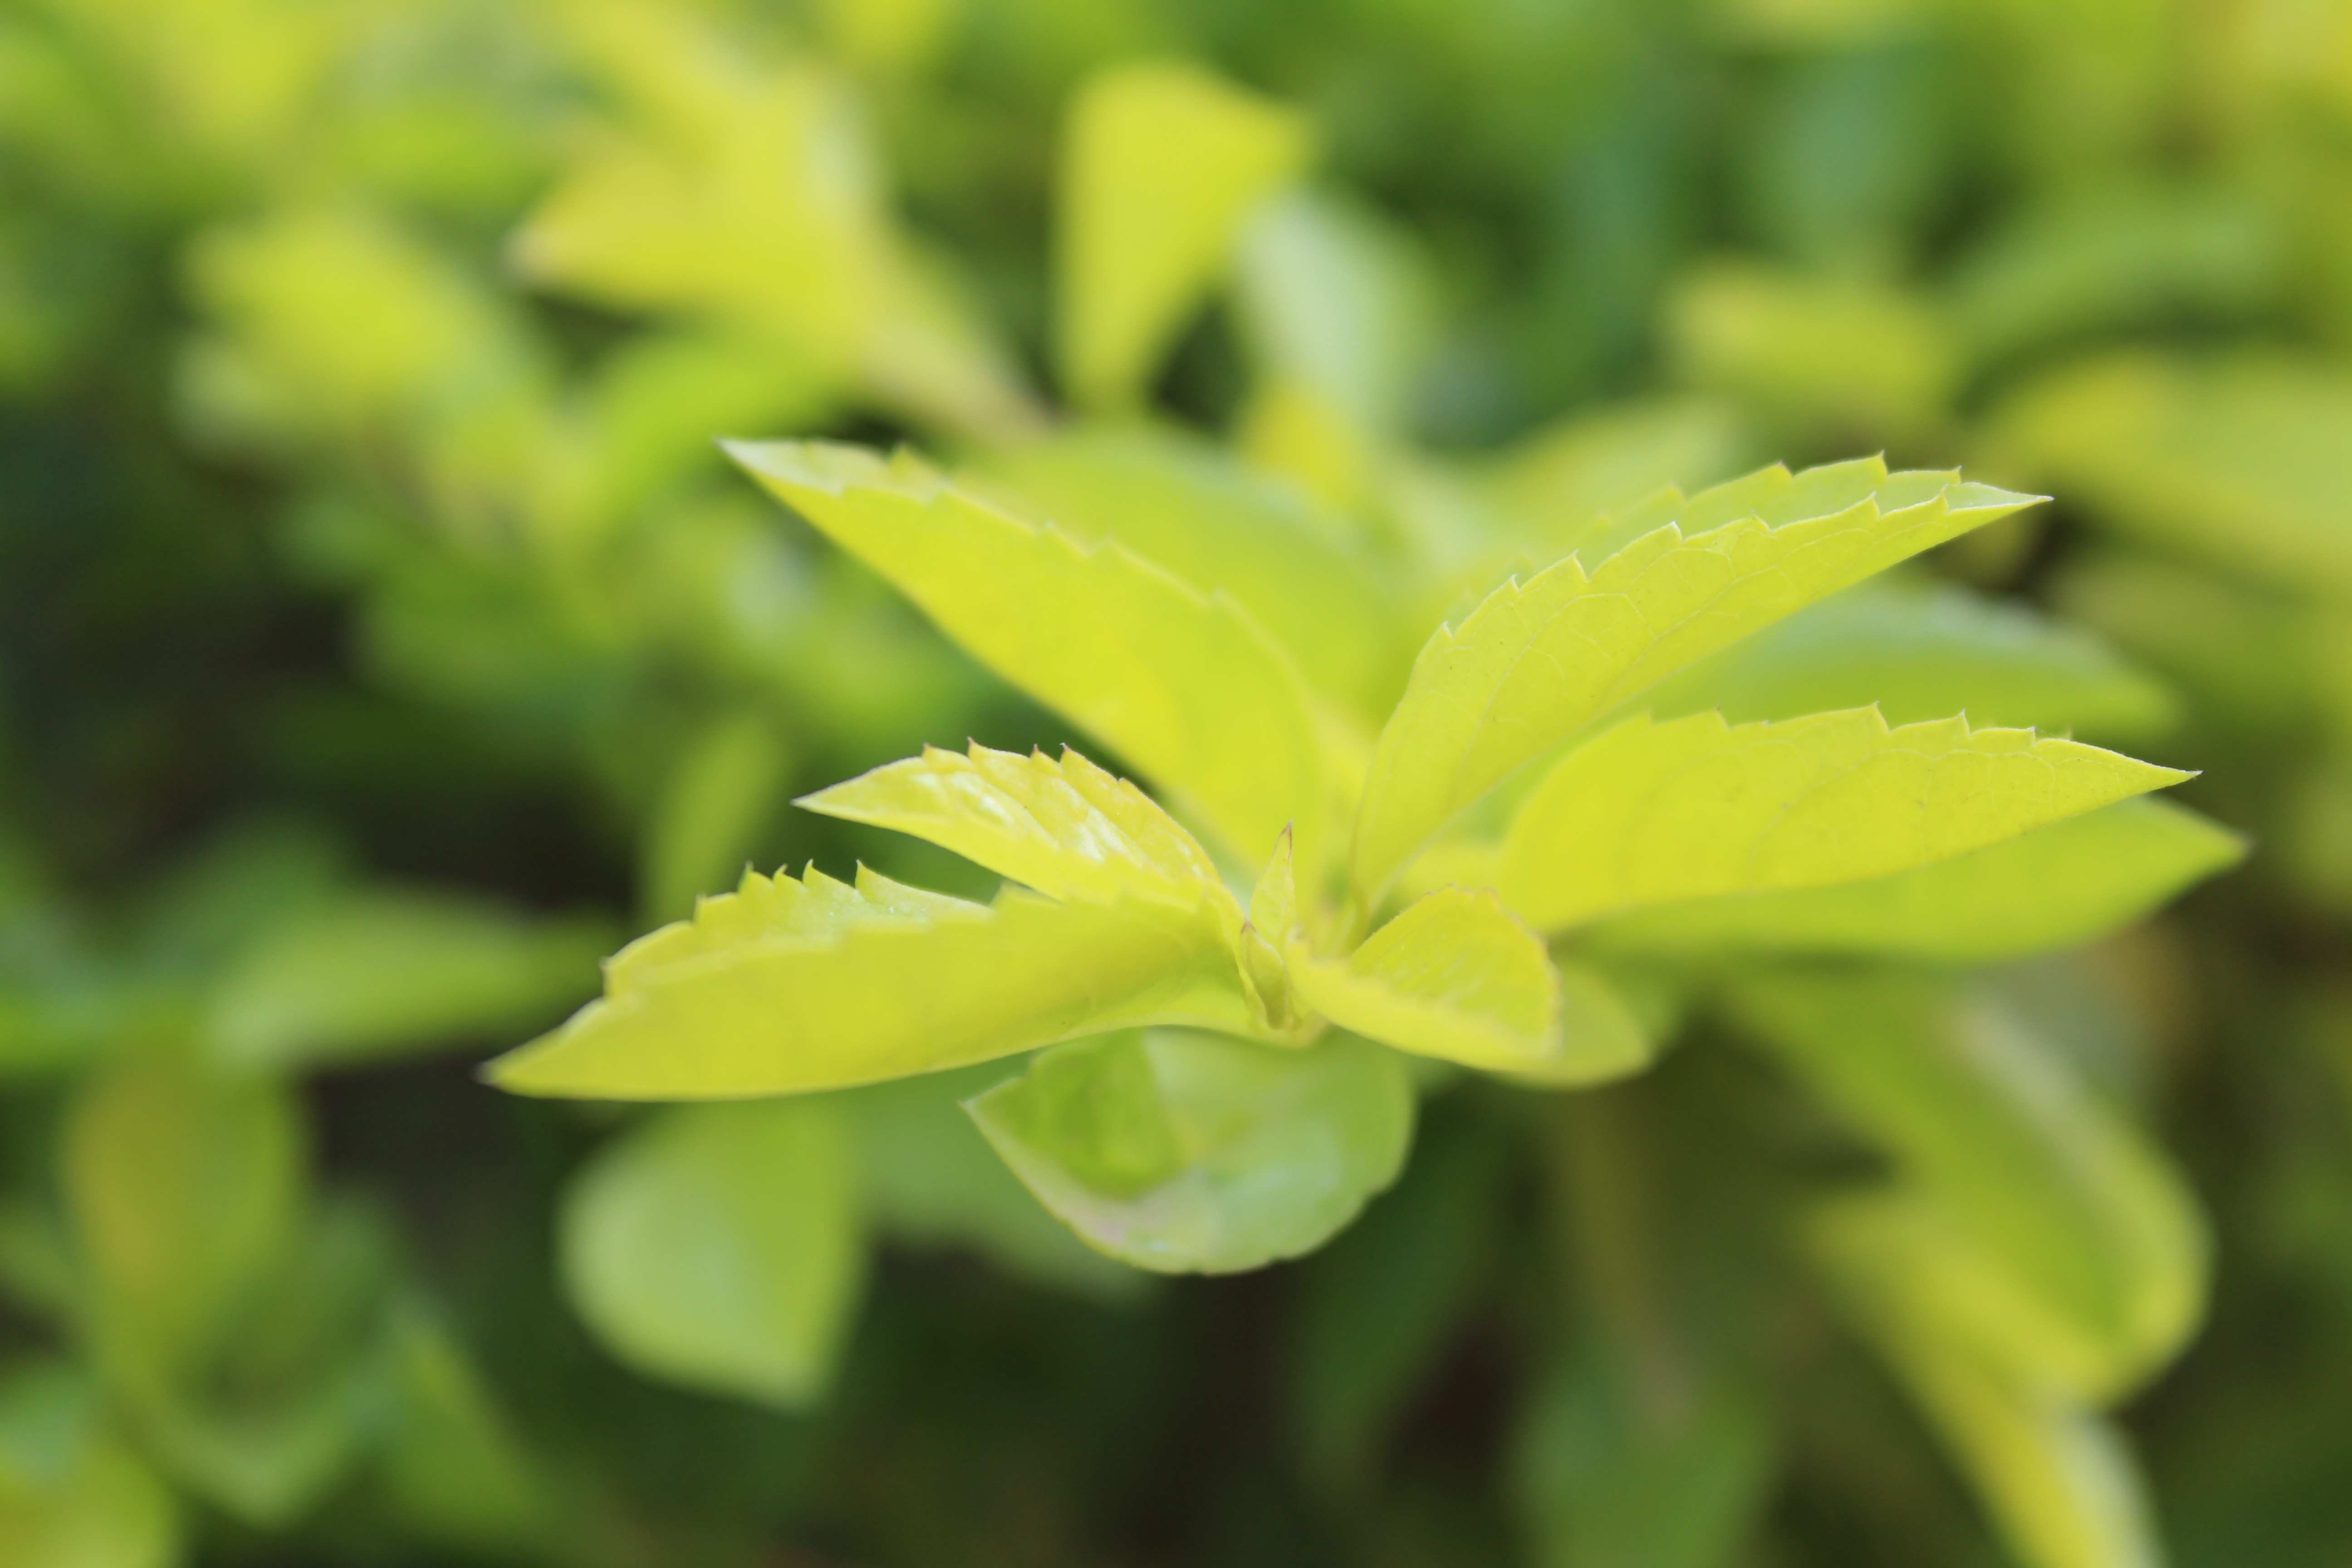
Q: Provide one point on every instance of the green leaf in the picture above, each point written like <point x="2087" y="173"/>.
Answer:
<point x="1185" y="687"/>
<point x="719" y="1248"/>
<point x="1537" y="661"/>
<point x="1068" y="830"/>
<point x="1696" y="809"/>
<point x="2112" y="255"/>
<point x="2239" y="463"/>
<point x="1609" y="1479"/>
<point x="707" y="821"/>
<point x="2069" y="1246"/>
<point x="72" y="1493"/>
<point x="2053" y="888"/>
<point x="1377" y="1308"/>
<point x="645" y="429"/>
<point x="784" y="987"/>
<point x="277" y="1414"/>
<point x="1920" y="653"/>
<point x="1162" y="164"/>
<point x="1193" y="1153"/>
<point x="928" y="1177"/>
<point x="1182" y="504"/>
<point x="449" y="1464"/>
<point x="2222" y="642"/>
<point x="2058" y="1481"/>
<point x="185" y="1188"/>
<point x="367" y="975"/>
<point x="1456" y="976"/>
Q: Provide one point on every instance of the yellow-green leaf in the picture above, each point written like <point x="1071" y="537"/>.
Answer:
<point x="1696" y="809"/>
<point x="2070" y="1246"/>
<point x="1454" y="976"/>
<point x="1458" y="976"/>
<point x="1182" y="504"/>
<point x="719" y="1246"/>
<point x="1186" y="1152"/>
<point x="1273" y="915"/>
<point x="1068" y="830"/>
<point x="2241" y="463"/>
<point x="2057" y="1478"/>
<point x="373" y="973"/>
<point x="185" y="1188"/>
<point x="1161" y="163"/>
<point x="1820" y="353"/>
<point x="1185" y="686"/>
<point x="776" y="218"/>
<point x="2053" y="888"/>
<point x="785" y="987"/>
<point x="1537" y="661"/>
<point x="1920" y="653"/>
<point x="73" y="1494"/>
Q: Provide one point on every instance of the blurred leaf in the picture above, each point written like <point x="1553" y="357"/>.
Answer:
<point x="658" y="399"/>
<point x="1859" y="360"/>
<point x="1848" y="153"/>
<point x="2057" y="1480"/>
<point x="1335" y="299"/>
<point x="185" y="1188"/>
<point x="1185" y="1152"/>
<point x="72" y="1495"/>
<point x="367" y="975"/>
<point x="40" y="1276"/>
<point x="1552" y="486"/>
<point x="760" y="202"/>
<point x="1186" y="508"/>
<point x="2224" y="642"/>
<point x="719" y="1248"/>
<point x="2050" y="1237"/>
<point x="1535" y="663"/>
<point x="1376" y="1307"/>
<point x="1161" y="165"/>
<point x="2053" y="888"/>
<point x="268" y="1424"/>
<point x="447" y="1460"/>
<point x="2113" y="256"/>
<point x="784" y="987"/>
<point x="332" y="318"/>
<point x="1698" y="808"/>
<point x="890" y="35"/>
<point x="1184" y="686"/>
<point x="1609" y="1479"/>
<point x="1921" y="654"/>
<point x="236" y="882"/>
<point x="1068" y="830"/>
<point x="928" y="1177"/>
<point x="716" y="801"/>
<point x="2239" y="463"/>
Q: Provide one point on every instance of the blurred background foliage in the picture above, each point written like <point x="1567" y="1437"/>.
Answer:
<point x="381" y="639"/>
